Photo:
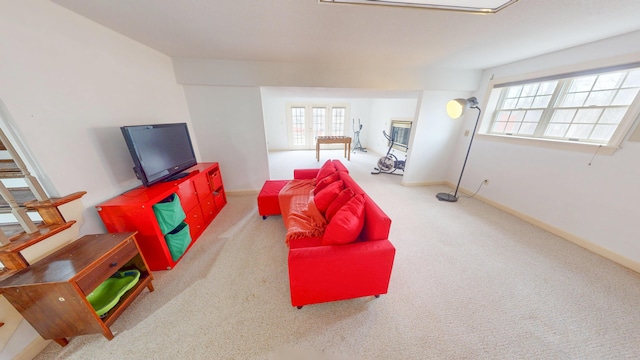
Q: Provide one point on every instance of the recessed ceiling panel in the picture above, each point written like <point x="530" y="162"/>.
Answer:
<point x="473" y="6"/>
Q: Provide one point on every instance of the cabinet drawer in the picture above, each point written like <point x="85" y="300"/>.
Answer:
<point x="195" y="221"/>
<point x="216" y="180"/>
<point x="101" y="271"/>
<point x="209" y="208"/>
<point x="188" y="197"/>
<point x="203" y="188"/>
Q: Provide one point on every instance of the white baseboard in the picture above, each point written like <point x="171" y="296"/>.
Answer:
<point x="597" y="249"/>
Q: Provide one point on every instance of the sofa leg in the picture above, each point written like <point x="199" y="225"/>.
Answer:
<point x="377" y="296"/>
<point x="264" y="217"/>
<point x="299" y="307"/>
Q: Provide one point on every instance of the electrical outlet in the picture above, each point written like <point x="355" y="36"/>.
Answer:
<point x="466" y="133"/>
<point x="485" y="181"/>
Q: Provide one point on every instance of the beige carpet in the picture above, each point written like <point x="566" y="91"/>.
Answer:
<point x="469" y="282"/>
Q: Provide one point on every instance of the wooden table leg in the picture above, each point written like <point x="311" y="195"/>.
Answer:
<point x="349" y="153"/>
<point x="62" y="341"/>
<point x="317" y="151"/>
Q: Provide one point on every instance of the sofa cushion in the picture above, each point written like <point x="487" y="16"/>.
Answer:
<point x="325" y="197"/>
<point x="324" y="182"/>
<point x="327" y="169"/>
<point x="342" y="198"/>
<point x="346" y="224"/>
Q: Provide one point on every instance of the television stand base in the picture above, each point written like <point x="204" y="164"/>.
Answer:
<point x="176" y="176"/>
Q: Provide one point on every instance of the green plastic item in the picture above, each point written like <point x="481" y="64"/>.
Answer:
<point x="169" y="213"/>
<point x="106" y="295"/>
<point x="178" y="240"/>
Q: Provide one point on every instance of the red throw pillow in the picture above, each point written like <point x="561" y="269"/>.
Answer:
<point x="344" y="196"/>
<point x="324" y="182"/>
<point x="347" y="223"/>
<point x="325" y="197"/>
<point x="327" y="169"/>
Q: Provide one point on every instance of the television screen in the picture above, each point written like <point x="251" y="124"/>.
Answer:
<point x="159" y="151"/>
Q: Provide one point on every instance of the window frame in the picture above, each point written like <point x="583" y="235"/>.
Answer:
<point x="309" y="122"/>
<point x="494" y="95"/>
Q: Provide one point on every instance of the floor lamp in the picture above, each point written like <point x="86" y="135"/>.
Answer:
<point x="455" y="109"/>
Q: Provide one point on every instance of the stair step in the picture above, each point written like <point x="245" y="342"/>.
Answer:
<point x="22" y="195"/>
<point x="5" y="273"/>
<point x="23" y="240"/>
<point x="13" y="229"/>
<point x="9" y="169"/>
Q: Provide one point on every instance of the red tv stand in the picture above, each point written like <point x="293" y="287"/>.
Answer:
<point x="201" y="195"/>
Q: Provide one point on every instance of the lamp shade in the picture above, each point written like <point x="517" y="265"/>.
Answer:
<point x="457" y="107"/>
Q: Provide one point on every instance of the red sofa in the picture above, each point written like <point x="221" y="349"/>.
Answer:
<point x="351" y="255"/>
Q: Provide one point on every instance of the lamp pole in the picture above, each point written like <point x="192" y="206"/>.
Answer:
<point x="453" y="198"/>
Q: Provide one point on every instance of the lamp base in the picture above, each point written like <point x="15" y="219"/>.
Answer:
<point x="447" y="197"/>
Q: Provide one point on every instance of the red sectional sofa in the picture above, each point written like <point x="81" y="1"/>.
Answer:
<point x="337" y="236"/>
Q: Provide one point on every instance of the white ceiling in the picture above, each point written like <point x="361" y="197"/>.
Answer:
<point x="309" y="32"/>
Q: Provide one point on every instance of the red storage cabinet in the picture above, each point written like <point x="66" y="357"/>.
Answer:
<point x="201" y="196"/>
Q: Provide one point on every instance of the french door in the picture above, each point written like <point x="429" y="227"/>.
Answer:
<point x="306" y="122"/>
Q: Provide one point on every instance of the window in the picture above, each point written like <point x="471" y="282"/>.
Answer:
<point x="594" y="108"/>
<point x="337" y="122"/>
<point x="307" y="121"/>
<point x="400" y="133"/>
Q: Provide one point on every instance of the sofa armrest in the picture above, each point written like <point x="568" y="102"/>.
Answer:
<point x="329" y="273"/>
<point x="305" y="173"/>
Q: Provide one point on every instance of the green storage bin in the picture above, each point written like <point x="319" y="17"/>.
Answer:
<point x="178" y="240"/>
<point x="169" y="213"/>
<point x="107" y="294"/>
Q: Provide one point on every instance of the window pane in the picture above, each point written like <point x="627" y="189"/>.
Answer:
<point x="498" y="127"/>
<point x="612" y="116"/>
<point x="525" y="103"/>
<point x="512" y="128"/>
<point x="533" y="116"/>
<point x="516" y="116"/>
<point x="510" y="103"/>
<point x="528" y="128"/>
<point x="579" y="131"/>
<point x="603" y="132"/>
<point x="529" y="90"/>
<point x="541" y="101"/>
<point x="625" y="97"/>
<point x="562" y="116"/>
<point x="556" y="130"/>
<point x="600" y="98"/>
<point x="503" y="116"/>
<point x="632" y="80"/>
<point x="514" y="92"/>
<point x="337" y="124"/>
<point x="587" y="116"/>
<point x="608" y="81"/>
<point x="547" y="88"/>
<point x="297" y="117"/>
<point x="574" y="99"/>
<point x="582" y="84"/>
<point x="319" y="121"/>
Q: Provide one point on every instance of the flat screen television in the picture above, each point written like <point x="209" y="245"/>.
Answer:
<point x="160" y="152"/>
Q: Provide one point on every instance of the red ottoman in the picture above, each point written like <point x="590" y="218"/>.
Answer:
<point x="268" y="198"/>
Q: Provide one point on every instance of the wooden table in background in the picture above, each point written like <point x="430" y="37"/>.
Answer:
<point x="334" y="140"/>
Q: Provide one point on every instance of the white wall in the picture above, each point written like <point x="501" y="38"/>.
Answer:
<point x="229" y="127"/>
<point x="596" y="203"/>
<point x="382" y="112"/>
<point x="377" y="95"/>
<point x="275" y="100"/>
<point x="69" y="84"/>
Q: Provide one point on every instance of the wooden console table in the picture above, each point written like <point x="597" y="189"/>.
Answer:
<point x="51" y="294"/>
<point x="334" y="140"/>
